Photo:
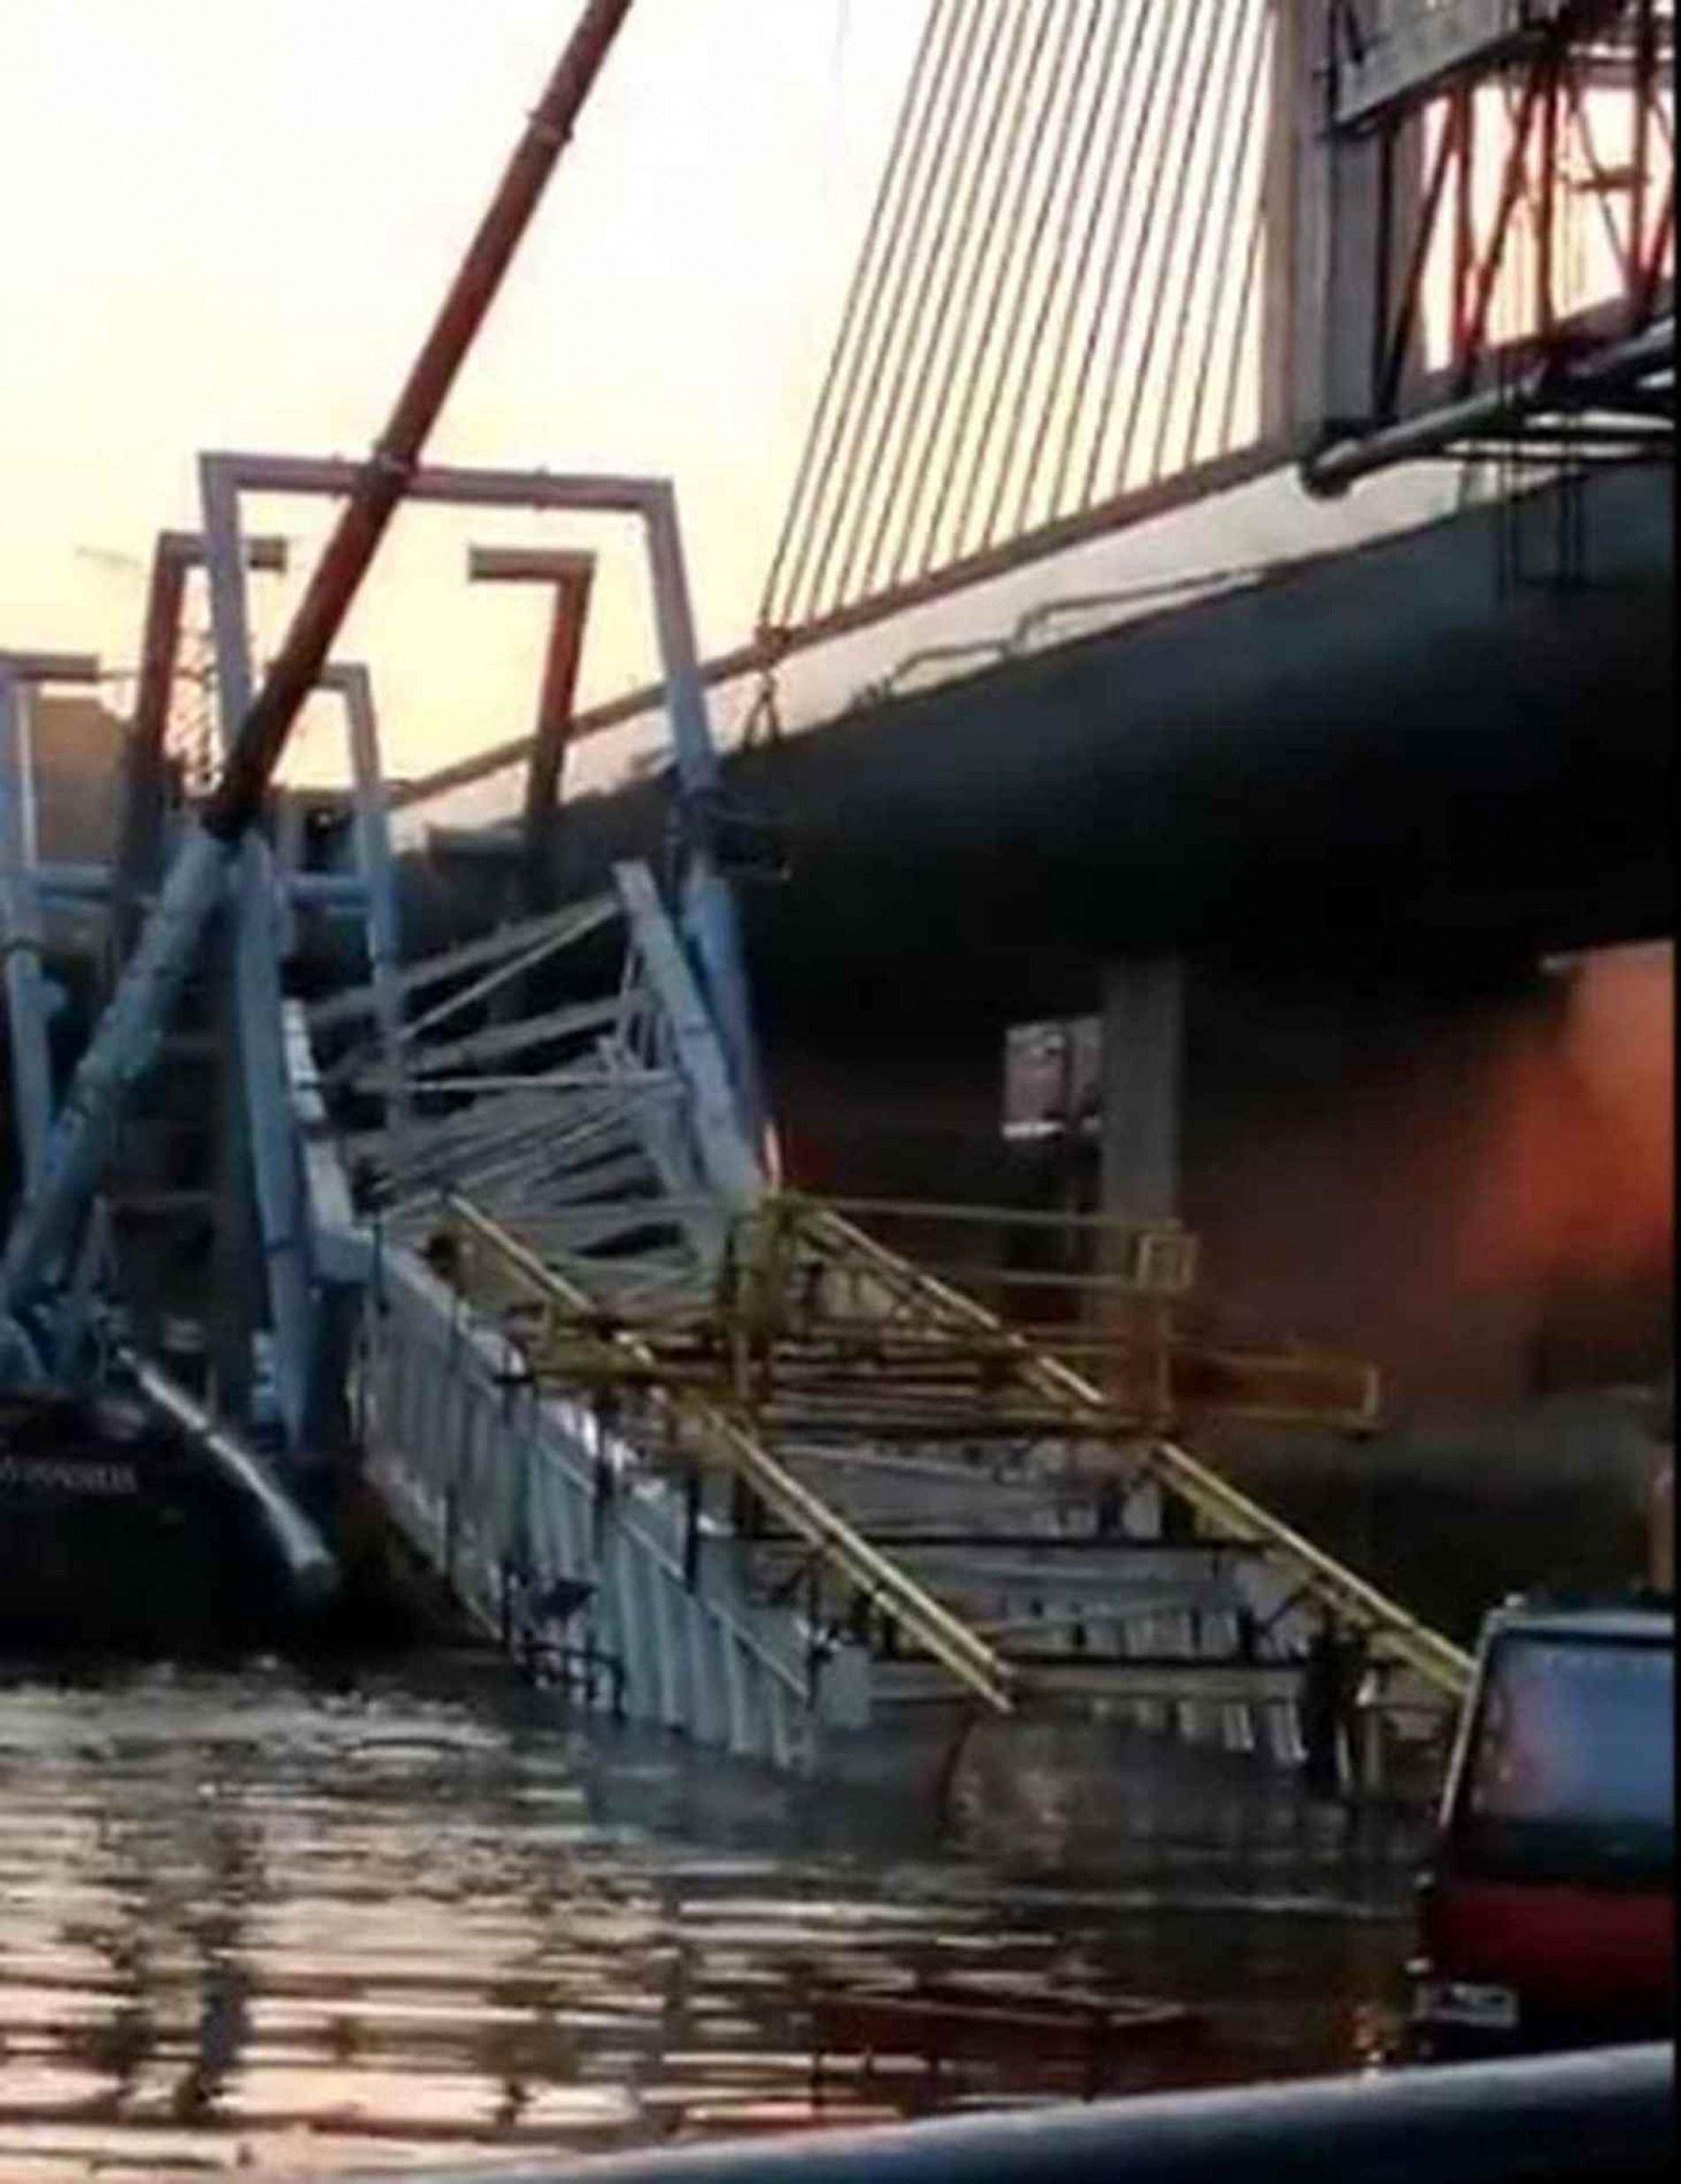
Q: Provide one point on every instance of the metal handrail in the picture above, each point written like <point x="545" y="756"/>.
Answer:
<point x="515" y="1369"/>
<point x="968" y="1658"/>
<point x="1443" y="1665"/>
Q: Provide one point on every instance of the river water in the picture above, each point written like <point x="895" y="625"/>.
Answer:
<point x="276" y="1922"/>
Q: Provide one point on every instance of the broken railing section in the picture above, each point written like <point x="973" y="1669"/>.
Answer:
<point x="619" y="1157"/>
<point x="795" y="1268"/>
<point x="1086" y="1408"/>
<point x="606" y="1125"/>
<point x="554" y="1539"/>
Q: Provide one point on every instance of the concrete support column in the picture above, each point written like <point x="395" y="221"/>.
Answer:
<point x="1142" y="1071"/>
<point x="1142" y="1068"/>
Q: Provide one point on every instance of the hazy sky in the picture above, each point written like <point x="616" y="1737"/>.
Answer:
<point x="229" y="222"/>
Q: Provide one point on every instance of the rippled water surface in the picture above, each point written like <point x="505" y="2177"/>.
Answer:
<point x="255" y="1922"/>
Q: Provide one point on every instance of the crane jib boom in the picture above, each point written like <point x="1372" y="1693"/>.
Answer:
<point x="130" y="1030"/>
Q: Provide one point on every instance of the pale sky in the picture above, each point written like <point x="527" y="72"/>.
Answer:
<point x="229" y="222"/>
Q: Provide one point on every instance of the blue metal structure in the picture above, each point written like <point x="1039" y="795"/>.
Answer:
<point x="21" y="933"/>
<point x="44" y="1239"/>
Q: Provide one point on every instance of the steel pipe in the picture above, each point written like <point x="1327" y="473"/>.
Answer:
<point x="590" y="493"/>
<point x="309" y="1564"/>
<point x="1335" y="469"/>
<point x="1565" y="2118"/>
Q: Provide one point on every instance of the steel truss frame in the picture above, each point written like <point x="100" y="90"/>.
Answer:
<point x="1462" y="137"/>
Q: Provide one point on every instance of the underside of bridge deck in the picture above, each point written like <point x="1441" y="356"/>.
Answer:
<point x="1404" y="751"/>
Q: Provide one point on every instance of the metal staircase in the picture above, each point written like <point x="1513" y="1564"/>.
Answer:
<point x="729" y="1463"/>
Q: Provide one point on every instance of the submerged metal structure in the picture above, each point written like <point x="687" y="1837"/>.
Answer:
<point x="712" y="1454"/>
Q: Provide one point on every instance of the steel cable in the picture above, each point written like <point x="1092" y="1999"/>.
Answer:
<point x="931" y="147"/>
<point x="1148" y="319"/>
<point x="1054" y="170"/>
<point x="1192" y="263"/>
<point x="1256" y="108"/>
<point x="950" y="317"/>
<point x="1065" y="241"/>
<point x="875" y="472"/>
<point x="1102" y="196"/>
<point x="831" y="402"/>
<point x="1137" y="118"/>
<point x="1001" y="233"/>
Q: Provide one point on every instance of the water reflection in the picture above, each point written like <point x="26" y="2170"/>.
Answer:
<point x="248" y="1921"/>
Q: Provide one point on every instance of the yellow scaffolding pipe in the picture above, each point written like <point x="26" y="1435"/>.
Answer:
<point x="1445" y="1666"/>
<point x="966" y="1657"/>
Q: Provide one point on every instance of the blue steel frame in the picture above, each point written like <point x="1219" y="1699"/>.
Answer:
<point x="708" y="908"/>
<point x="21" y="935"/>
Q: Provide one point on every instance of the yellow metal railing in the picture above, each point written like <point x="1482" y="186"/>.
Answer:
<point x="1441" y="1664"/>
<point x="492" y="1260"/>
<point x="718" y="1372"/>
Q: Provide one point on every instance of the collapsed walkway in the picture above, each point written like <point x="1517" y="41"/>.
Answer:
<point x="723" y="1462"/>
